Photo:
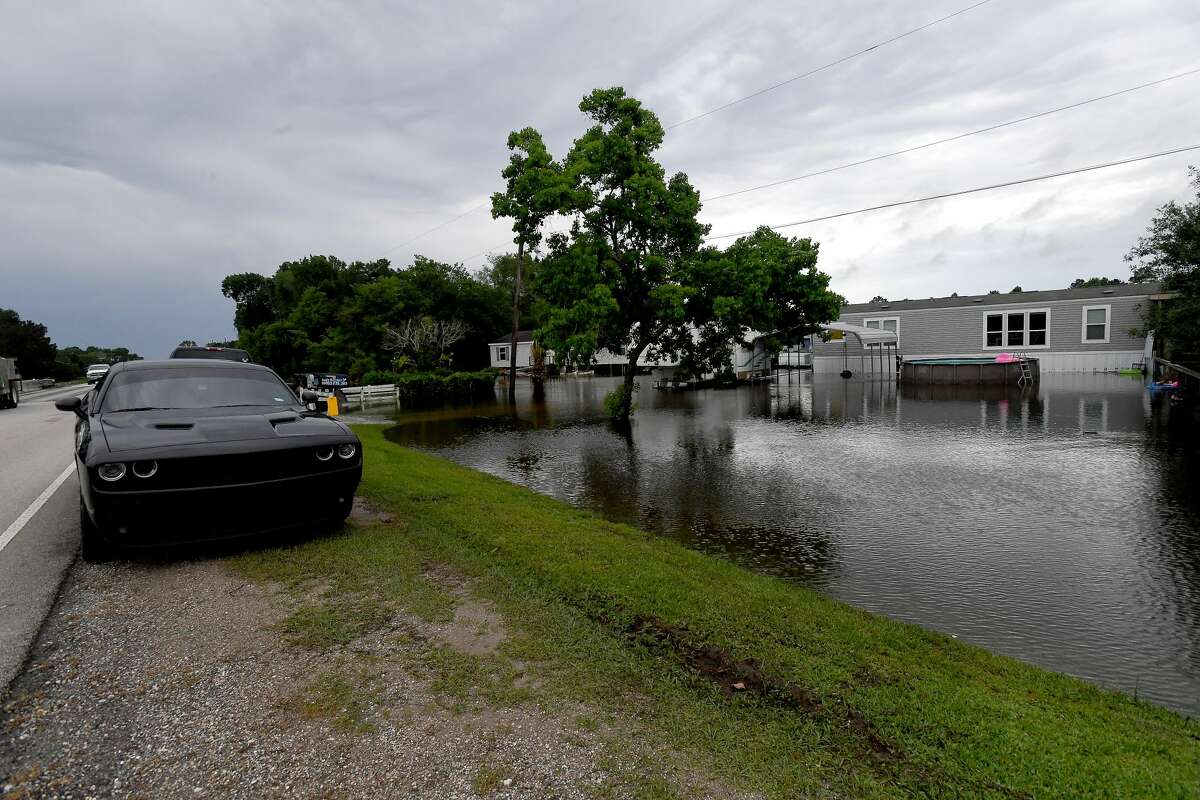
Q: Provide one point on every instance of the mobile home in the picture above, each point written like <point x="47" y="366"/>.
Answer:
<point x="1067" y="330"/>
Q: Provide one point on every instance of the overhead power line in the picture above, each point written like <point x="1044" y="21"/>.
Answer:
<point x="937" y="142"/>
<point x="434" y="228"/>
<point x="824" y="67"/>
<point x="961" y="192"/>
<point x="724" y="106"/>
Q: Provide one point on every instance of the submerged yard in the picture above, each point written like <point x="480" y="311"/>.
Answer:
<point x="746" y="680"/>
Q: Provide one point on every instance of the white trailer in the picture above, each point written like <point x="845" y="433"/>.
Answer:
<point x="10" y="383"/>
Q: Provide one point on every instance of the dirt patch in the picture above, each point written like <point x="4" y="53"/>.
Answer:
<point x="364" y="513"/>
<point x="476" y="628"/>
<point x="735" y="676"/>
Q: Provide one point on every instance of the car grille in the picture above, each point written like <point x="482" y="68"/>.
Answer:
<point x="232" y="469"/>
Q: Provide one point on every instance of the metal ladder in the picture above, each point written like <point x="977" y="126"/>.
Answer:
<point x="1026" y="373"/>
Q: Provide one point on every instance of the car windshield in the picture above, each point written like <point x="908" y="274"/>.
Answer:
<point x="97" y="366"/>
<point x="147" y="389"/>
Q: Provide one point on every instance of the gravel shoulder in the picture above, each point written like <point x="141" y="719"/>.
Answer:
<point x="181" y="680"/>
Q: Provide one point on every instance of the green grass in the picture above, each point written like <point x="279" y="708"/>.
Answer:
<point x="489" y="778"/>
<point x="840" y="702"/>
<point x="335" y="622"/>
<point x="342" y="694"/>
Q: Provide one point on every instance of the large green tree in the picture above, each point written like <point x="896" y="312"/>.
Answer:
<point x="631" y="274"/>
<point x="28" y="343"/>
<point x="1170" y="253"/>
<point x="616" y="280"/>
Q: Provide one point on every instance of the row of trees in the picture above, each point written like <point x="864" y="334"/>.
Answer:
<point x="38" y="357"/>
<point x="321" y="313"/>
<point x="1078" y="283"/>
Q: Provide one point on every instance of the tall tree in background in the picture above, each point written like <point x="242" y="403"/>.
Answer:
<point x="28" y="343"/>
<point x="1170" y="253"/>
<point x="533" y="191"/>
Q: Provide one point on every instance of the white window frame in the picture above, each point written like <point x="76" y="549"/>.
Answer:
<point x="502" y="352"/>
<point x="1107" y="325"/>
<point x="1003" y="314"/>
<point x="881" y="320"/>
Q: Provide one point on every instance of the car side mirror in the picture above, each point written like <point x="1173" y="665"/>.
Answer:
<point x="72" y="404"/>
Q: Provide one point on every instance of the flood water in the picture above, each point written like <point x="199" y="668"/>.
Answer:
<point x="1060" y="525"/>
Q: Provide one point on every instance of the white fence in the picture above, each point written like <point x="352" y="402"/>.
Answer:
<point x="360" y="396"/>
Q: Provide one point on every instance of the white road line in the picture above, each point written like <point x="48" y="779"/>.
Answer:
<point x="11" y="532"/>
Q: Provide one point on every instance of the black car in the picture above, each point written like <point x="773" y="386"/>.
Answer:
<point x="187" y="450"/>
<point x="215" y="353"/>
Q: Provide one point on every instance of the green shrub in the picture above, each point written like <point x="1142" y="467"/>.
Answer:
<point x="438" y="386"/>
<point x="612" y="401"/>
<point x="379" y="377"/>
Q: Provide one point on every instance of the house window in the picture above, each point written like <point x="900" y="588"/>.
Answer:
<point x="1096" y="321"/>
<point x="502" y="354"/>
<point x="1021" y="329"/>
<point x="886" y="324"/>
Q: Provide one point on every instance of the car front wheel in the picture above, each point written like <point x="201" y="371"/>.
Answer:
<point x="92" y="547"/>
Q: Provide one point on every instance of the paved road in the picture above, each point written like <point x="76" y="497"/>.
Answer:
<point x="37" y="542"/>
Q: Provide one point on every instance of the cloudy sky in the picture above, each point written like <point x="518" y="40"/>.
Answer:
<point x="149" y="149"/>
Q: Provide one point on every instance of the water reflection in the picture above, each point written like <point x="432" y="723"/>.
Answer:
<point x="1059" y="525"/>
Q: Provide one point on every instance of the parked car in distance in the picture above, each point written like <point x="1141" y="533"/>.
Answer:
<point x="96" y="372"/>
<point x="216" y="353"/>
<point x="182" y="451"/>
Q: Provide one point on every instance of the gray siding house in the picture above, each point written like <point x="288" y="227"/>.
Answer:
<point x="1068" y="330"/>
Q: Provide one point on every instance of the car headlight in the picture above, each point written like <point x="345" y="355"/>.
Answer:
<point x="145" y="469"/>
<point x="324" y="453"/>
<point x="346" y="450"/>
<point x="111" y="472"/>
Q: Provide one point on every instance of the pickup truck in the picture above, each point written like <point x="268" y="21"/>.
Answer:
<point x="10" y="383"/>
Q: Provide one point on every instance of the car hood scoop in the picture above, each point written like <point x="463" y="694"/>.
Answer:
<point x="174" y="426"/>
<point x="141" y="430"/>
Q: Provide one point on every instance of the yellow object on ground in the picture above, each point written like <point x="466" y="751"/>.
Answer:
<point x="332" y="405"/>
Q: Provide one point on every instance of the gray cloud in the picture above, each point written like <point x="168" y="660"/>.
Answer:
<point x="148" y="150"/>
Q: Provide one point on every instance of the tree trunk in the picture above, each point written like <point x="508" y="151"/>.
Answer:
<point x="626" y="407"/>
<point x="516" y="324"/>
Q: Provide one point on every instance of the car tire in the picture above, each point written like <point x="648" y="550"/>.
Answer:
<point x="92" y="547"/>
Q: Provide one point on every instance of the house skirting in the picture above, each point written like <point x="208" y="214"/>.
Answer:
<point x="1047" y="362"/>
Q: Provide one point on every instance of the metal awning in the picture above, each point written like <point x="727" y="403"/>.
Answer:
<point x="865" y="336"/>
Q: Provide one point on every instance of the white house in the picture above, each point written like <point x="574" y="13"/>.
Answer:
<point x="501" y="351"/>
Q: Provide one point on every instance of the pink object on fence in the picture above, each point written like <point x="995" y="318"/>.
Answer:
<point x="1005" y="358"/>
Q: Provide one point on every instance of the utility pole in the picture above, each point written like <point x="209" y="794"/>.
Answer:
<point x="516" y="322"/>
